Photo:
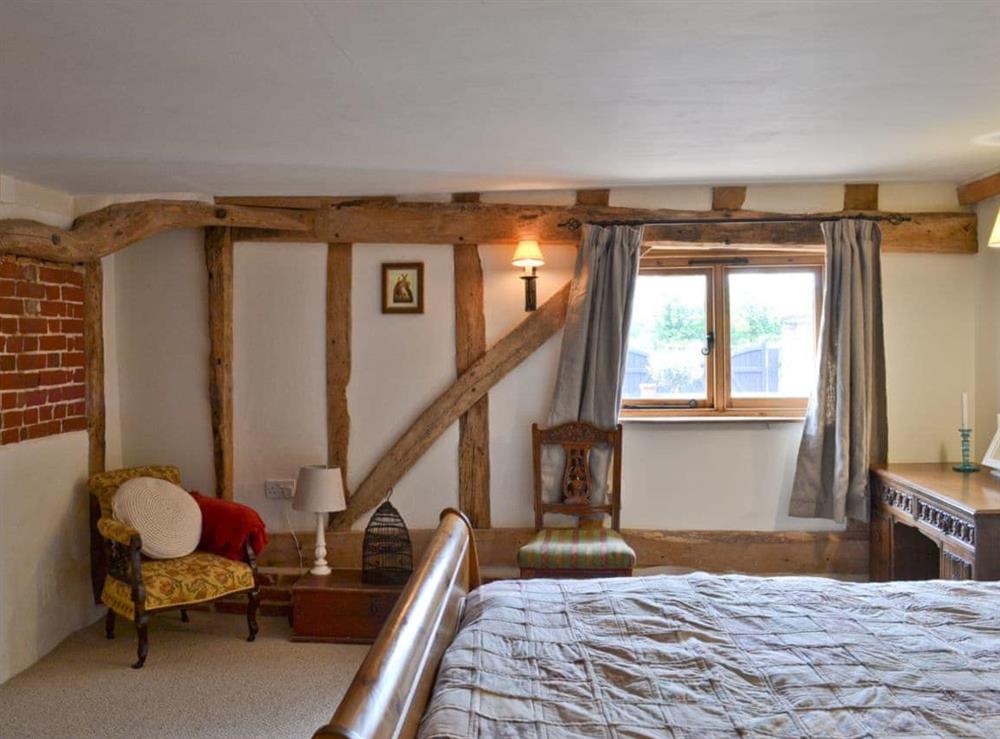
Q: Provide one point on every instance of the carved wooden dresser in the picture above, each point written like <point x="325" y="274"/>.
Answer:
<point x="929" y="521"/>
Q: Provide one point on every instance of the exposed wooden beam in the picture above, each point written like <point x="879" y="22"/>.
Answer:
<point x="982" y="189"/>
<point x="752" y="552"/>
<point x="299" y="202"/>
<point x="728" y="198"/>
<point x="276" y="235"/>
<point x="942" y="233"/>
<point x="109" y="229"/>
<point x="593" y="197"/>
<point x="219" y="261"/>
<point x="860" y="197"/>
<point x="93" y="347"/>
<point x="361" y="221"/>
<point x="470" y="345"/>
<point x="338" y="354"/>
<point x="471" y="385"/>
<point x="479" y="223"/>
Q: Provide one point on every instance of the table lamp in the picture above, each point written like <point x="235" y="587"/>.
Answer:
<point x="319" y="490"/>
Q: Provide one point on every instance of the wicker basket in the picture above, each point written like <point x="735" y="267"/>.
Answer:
<point x="387" y="555"/>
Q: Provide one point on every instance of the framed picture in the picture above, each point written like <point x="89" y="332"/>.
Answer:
<point x="403" y="287"/>
<point x="992" y="457"/>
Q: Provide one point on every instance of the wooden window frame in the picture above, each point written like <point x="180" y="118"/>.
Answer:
<point x="717" y="265"/>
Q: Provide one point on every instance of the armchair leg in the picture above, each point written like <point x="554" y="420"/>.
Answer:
<point x="140" y="630"/>
<point x="254" y="601"/>
<point x="109" y="624"/>
<point x="184" y="616"/>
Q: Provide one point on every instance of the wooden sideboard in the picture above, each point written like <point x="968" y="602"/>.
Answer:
<point x="929" y="521"/>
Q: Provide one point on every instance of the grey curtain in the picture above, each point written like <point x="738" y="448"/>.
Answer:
<point x="845" y="430"/>
<point x="592" y="361"/>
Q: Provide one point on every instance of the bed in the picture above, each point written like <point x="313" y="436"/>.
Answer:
<point x="695" y="655"/>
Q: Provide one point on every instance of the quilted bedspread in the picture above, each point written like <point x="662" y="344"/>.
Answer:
<point x="706" y="655"/>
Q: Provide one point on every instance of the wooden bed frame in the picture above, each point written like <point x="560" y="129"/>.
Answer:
<point x="391" y="689"/>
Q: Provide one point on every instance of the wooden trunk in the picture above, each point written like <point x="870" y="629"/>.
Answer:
<point x="340" y="607"/>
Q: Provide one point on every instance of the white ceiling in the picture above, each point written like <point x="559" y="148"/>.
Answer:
<point x="315" y="97"/>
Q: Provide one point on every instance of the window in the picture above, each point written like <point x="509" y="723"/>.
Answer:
<point x="723" y="334"/>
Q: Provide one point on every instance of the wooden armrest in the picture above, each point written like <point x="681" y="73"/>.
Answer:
<point x="118" y="532"/>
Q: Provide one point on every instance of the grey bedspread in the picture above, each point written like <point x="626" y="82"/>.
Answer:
<point x="704" y="655"/>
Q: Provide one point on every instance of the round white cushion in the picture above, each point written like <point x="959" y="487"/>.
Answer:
<point x="167" y="518"/>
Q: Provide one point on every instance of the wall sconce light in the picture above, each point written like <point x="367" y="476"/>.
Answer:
<point x="529" y="255"/>
<point x="995" y="234"/>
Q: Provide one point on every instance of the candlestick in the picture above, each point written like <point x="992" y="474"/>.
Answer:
<point x="966" y="465"/>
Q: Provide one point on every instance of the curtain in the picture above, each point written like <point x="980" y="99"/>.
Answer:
<point x="594" y="345"/>
<point x="845" y="430"/>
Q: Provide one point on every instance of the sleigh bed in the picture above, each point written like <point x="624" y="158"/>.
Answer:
<point x="695" y="655"/>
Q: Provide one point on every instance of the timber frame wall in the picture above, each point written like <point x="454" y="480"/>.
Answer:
<point x="464" y="223"/>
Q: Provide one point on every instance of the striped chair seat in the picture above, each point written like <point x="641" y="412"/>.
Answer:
<point x="576" y="549"/>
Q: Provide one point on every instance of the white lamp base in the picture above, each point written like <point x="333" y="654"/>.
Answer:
<point x="320" y="567"/>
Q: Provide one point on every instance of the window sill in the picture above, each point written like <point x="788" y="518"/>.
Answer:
<point x="711" y="419"/>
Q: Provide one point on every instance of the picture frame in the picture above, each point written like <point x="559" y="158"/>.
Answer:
<point x="402" y="287"/>
<point x="992" y="457"/>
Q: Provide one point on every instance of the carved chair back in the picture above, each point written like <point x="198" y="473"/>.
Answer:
<point x="576" y="486"/>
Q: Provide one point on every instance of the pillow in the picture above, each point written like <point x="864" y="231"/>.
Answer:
<point x="166" y="517"/>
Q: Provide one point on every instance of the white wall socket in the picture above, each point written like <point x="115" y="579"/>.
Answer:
<point x="279" y="488"/>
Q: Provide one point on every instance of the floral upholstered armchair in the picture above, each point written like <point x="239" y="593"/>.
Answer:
<point x="136" y="586"/>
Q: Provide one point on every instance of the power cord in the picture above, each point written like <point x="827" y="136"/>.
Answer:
<point x="291" y="529"/>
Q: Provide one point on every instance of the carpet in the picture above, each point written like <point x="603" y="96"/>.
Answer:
<point x="202" y="679"/>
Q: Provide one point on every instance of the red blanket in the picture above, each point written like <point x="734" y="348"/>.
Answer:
<point x="226" y="525"/>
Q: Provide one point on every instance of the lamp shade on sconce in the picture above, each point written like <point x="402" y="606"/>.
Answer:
<point x="319" y="489"/>
<point x="528" y="254"/>
<point x="995" y="234"/>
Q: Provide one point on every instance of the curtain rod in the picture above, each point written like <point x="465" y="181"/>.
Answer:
<point x="893" y="218"/>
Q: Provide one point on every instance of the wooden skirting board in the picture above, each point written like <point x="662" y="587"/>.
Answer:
<point x="752" y="552"/>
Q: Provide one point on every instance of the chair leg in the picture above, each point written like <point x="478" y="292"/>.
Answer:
<point x="109" y="624"/>
<point x="140" y="630"/>
<point x="254" y="601"/>
<point x="184" y="616"/>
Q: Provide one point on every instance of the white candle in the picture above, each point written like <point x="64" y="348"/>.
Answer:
<point x="965" y="410"/>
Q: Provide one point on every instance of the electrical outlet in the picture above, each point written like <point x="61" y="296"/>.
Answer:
<point x="279" y="488"/>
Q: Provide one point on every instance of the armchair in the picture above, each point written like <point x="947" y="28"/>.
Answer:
<point x="135" y="586"/>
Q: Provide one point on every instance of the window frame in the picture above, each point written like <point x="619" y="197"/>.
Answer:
<point x="717" y="265"/>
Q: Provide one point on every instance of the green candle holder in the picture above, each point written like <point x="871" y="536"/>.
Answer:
<point x="966" y="465"/>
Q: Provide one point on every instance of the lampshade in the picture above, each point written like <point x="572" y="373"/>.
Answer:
<point x="995" y="234"/>
<point x="319" y="489"/>
<point x="528" y="254"/>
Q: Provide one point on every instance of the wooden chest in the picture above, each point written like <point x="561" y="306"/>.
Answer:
<point x="340" y="608"/>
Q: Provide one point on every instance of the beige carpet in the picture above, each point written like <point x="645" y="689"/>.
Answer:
<point x="202" y="679"/>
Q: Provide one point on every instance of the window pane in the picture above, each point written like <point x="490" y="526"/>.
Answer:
<point x="772" y="328"/>
<point x="666" y="338"/>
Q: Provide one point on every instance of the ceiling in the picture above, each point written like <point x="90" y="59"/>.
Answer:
<point x="410" y="96"/>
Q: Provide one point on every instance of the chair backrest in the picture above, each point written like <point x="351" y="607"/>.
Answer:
<point x="577" y="439"/>
<point x="104" y="484"/>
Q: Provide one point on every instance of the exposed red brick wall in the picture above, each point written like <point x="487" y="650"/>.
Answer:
<point x="41" y="349"/>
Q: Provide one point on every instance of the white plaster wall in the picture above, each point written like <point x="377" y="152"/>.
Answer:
<point x="941" y="338"/>
<point x="45" y="592"/>
<point x="987" y="336"/>
<point x="523" y="396"/>
<point x="398" y="364"/>
<point x="161" y="330"/>
<point x="279" y="371"/>
<point x="44" y="534"/>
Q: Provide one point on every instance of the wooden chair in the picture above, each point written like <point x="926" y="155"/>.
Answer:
<point x="589" y="549"/>
<point x="135" y="586"/>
